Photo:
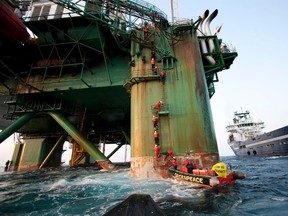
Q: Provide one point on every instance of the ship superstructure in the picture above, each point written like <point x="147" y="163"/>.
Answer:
<point x="246" y="137"/>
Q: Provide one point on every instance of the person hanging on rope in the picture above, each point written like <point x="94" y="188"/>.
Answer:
<point x="158" y="106"/>
<point x="156" y="136"/>
<point x="155" y="121"/>
<point x="162" y="75"/>
<point x="146" y="31"/>
<point x="153" y="63"/>
<point x="7" y="165"/>
<point x="169" y="153"/>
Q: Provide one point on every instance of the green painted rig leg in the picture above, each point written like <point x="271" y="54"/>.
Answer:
<point x="97" y="155"/>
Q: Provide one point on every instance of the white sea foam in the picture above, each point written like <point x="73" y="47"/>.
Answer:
<point x="56" y="185"/>
<point x="280" y="199"/>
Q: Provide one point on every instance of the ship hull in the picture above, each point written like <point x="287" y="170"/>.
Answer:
<point x="274" y="143"/>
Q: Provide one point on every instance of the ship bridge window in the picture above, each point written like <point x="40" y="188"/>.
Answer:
<point x="270" y="145"/>
<point x="246" y="125"/>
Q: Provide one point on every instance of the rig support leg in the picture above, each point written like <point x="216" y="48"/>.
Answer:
<point x="15" y="126"/>
<point x="97" y="155"/>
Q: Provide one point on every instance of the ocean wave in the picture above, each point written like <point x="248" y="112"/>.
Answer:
<point x="86" y="191"/>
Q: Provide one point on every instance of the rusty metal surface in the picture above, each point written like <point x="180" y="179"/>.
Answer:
<point x="145" y="167"/>
<point x="157" y="167"/>
<point x="106" y="165"/>
<point x="187" y="128"/>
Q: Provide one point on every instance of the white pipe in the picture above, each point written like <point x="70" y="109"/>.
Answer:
<point x="208" y="21"/>
<point x="208" y="31"/>
<point x="200" y="30"/>
<point x="202" y="41"/>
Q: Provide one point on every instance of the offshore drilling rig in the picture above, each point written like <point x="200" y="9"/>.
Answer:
<point x="107" y="71"/>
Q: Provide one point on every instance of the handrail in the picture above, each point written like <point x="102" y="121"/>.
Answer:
<point x="145" y="9"/>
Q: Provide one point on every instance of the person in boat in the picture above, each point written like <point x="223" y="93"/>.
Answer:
<point x="190" y="167"/>
<point x="195" y="166"/>
<point x="174" y="163"/>
<point x="187" y="161"/>
<point x="184" y="168"/>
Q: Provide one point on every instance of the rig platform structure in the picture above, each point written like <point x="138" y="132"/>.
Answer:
<point x="98" y="71"/>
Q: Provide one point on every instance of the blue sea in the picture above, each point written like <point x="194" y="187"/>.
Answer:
<point x="87" y="191"/>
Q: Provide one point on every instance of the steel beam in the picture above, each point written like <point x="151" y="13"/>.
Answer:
<point x="97" y="155"/>
<point x="60" y="140"/>
<point x="15" y="126"/>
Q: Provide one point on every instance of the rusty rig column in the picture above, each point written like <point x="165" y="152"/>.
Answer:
<point x="185" y="123"/>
